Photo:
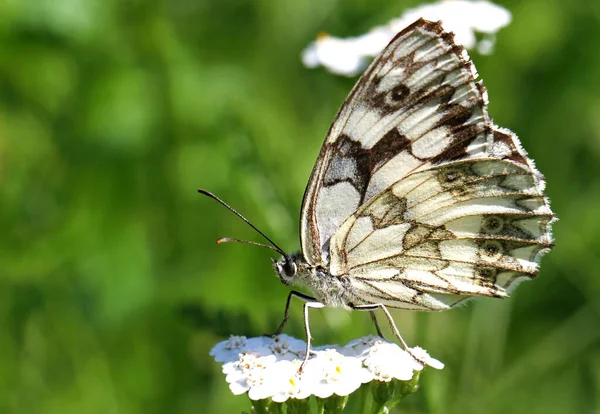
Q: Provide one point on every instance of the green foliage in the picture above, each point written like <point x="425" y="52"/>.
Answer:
<point x="112" y="290"/>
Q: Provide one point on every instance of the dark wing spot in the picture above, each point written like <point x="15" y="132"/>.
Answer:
<point x="486" y="276"/>
<point x="390" y="145"/>
<point x="452" y="177"/>
<point x="492" y="224"/>
<point x="415" y="235"/>
<point x="399" y="93"/>
<point x="491" y="250"/>
<point x="509" y="139"/>
<point x="361" y="163"/>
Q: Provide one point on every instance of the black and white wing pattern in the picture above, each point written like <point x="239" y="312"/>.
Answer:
<point x="417" y="198"/>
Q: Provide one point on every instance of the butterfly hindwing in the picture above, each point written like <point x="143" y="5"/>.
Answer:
<point x="468" y="227"/>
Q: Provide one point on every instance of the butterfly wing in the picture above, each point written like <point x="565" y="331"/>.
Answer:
<point x="458" y="229"/>
<point x="417" y="197"/>
<point x="417" y="105"/>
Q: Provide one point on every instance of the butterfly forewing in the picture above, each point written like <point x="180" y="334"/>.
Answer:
<point x="417" y="198"/>
<point x="418" y="104"/>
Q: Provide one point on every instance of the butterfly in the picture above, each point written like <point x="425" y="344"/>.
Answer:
<point x="417" y="200"/>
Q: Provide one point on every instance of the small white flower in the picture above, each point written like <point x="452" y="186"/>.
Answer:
<point x="227" y="351"/>
<point x="387" y="361"/>
<point x="262" y="383"/>
<point x="250" y="373"/>
<point x="290" y="384"/>
<point x="287" y="347"/>
<point x="423" y="356"/>
<point x="350" y="56"/>
<point x="362" y="344"/>
<point x="331" y="372"/>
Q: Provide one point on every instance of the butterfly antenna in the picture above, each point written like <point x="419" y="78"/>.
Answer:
<point x="230" y="240"/>
<point x="234" y="211"/>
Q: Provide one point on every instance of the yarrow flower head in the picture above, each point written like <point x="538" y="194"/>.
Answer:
<point x="268" y="368"/>
<point x="350" y="56"/>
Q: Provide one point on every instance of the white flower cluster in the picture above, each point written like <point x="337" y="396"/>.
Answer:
<point x="350" y="56"/>
<point x="268" y="367"/>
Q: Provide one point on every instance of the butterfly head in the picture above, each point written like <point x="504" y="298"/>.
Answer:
<point x="287" y="269"/>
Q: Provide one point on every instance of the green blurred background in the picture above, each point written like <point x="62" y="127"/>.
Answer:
<point x="112" y="290"/>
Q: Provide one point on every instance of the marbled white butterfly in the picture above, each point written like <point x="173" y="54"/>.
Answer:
<point x="417" y="200"/>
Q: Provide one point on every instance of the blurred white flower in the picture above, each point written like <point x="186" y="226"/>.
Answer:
<point x="350" y="56"/>
<point x="230" y="349"/>
<point x="268" y="367"/>
<point x="423" y="356"/>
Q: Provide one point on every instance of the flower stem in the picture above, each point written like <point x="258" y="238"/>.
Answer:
<point x="295" y="406"/>
<point x="363" y="397"/>
<point x="386" y="395"/>
<point x="333" y="405"/>
<point x="320" y="406"/>
<point x="382" y="393"/>
<point x="267" y="406"/>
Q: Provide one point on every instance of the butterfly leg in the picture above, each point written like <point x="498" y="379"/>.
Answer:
<point x="387" y="314"/>
<point x="374" y="319"/>
<point x="286" y="314"/>
<point x="307" y="306"/>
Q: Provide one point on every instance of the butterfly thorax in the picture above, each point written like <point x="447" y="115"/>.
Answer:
<point x="328" y="289"/>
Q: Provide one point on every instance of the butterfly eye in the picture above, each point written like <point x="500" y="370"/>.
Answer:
<point x="290" y="268"/>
